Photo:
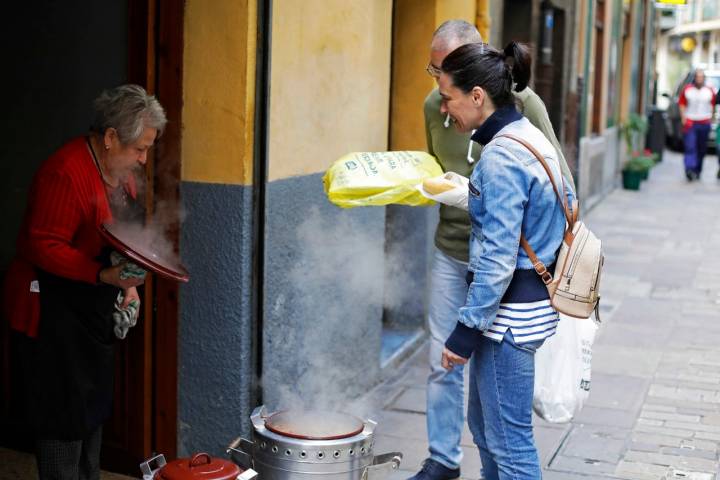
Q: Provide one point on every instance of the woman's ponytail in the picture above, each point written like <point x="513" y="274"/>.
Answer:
<point x="478" y="64"/>
<point x="517" y="56"/>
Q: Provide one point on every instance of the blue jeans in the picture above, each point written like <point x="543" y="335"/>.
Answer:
<point x="445" y="400"/>
<point x="695" y="140"/>
<point x="502" y="377"/>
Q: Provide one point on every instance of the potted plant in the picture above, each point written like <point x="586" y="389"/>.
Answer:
<point x="636" y="125"/>
<point x="644" y="161"/>
<point x="634" y="171"/>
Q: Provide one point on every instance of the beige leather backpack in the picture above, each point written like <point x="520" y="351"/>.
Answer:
<point x="575" y="287"/>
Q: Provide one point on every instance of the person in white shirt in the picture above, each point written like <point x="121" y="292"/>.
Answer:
<point x="697" y="108"/>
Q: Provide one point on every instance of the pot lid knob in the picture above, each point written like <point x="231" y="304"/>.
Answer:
<point x="198" y="458"/>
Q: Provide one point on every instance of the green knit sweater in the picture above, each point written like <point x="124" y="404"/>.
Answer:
<point x="451" y="149"/>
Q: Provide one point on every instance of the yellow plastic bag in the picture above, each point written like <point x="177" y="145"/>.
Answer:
<point x="363" y="179"/>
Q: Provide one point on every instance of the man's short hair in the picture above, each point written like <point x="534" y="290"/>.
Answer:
<point x="455" y="32"/>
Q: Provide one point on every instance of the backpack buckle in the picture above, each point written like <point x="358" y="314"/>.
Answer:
<point x="543" y="272"/>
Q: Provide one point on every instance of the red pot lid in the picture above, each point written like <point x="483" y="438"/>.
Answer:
<point x="314" y="425"/>
<point x="146" y="247"/>
<point x="200" y="466"/>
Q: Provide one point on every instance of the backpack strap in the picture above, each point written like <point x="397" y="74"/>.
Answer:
<point x="571" y="214"/>
<point x="562" y="198"/>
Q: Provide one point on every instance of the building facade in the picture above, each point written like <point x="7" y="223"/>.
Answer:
<point x="292" y="301"/>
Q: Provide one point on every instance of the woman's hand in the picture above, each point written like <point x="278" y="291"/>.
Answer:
<point x="111" y="276"/>
<point x="130" y="294"/>
<point x="450" y="359"/>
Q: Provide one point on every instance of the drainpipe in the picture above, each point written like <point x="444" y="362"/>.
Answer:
<point x="260" y="162"/>
<point x="482" y="19"/>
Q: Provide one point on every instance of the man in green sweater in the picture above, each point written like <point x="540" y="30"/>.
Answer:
<point x="448" y="288"/>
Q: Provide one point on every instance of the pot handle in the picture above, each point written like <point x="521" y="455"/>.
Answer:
<point x="257" y="417"/>
<point x="147" y="470"/>
<point x="369" y="426"/>
<point x="240" y="451"/>
<point x="248" y="474"/>
<point x="382" y="466"/>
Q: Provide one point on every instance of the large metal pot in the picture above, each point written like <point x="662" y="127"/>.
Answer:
<point x="298" y="445"/>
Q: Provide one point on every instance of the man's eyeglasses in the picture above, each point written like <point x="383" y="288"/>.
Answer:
<point x="433" y="71"/>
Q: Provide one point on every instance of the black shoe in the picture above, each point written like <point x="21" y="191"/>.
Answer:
<point x="718" y="174"/>
<point x="689" y="175"/>
<point x="432" y="470"/>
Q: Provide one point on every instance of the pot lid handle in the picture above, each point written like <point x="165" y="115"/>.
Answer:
<point x="195" y="461"/>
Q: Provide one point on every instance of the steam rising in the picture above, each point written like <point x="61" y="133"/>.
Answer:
<point x="150" y="241"/>
<point x="338" y="278"/>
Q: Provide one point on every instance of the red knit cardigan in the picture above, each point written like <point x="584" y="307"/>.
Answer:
<point x="60" y="235"/>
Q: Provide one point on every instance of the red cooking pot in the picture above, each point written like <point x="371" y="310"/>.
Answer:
<point x="200" y="466"/>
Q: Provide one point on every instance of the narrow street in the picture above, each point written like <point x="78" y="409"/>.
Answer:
<point x="654" y="407"/>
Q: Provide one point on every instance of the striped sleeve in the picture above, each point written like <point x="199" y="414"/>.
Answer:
<point x="528" y="322"/>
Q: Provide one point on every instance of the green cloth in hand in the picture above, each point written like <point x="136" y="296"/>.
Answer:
<point x="129" y="270"/>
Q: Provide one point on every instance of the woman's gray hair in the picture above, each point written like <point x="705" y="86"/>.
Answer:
<point x="129" y="110"/>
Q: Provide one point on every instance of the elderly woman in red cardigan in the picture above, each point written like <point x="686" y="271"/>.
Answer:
<point x="62" y="288"/>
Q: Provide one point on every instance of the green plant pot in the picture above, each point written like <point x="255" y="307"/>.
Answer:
<point x="644" y="174"/>
<point x="632" y="179"/>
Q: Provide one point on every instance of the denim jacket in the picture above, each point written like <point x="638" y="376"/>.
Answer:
<point x="510" y="192"/>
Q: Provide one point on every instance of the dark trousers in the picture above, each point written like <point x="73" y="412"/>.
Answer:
<point x="70" y="460"/>
<point x="695" y="140"/>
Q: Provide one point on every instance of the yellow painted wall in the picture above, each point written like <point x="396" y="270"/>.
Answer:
<point x="483" y="19"/>
<point x="455" y="9"/>
<point x="218" y="91"/>
<point x="414" y="23"/>
<point x="330" y="82"/>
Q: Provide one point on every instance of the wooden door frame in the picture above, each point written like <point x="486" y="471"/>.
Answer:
<point x="155" y="53"/>
<point x="167" y="176"/>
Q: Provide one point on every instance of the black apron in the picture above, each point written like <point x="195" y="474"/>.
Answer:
<point x="68" y="369"/>
<point x="70" y="376"/>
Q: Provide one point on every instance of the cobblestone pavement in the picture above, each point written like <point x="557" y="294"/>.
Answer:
<point x="654" y="407"/>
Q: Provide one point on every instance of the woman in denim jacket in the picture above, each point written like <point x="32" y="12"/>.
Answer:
<point x="507" y="314"/>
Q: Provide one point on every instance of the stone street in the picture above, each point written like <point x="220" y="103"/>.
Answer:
<point x="654" y="406"/>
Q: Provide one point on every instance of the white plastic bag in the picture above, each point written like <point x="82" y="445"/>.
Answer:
<point x="562" y="370"/>
<point x="457" y="197"/>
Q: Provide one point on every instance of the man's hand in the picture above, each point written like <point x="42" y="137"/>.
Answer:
<point x="450" y="359"/>
<point x="111" y="276"/>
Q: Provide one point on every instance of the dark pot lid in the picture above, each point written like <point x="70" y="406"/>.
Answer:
<point x="200" y="466"/>
<point x="314" y="425"/>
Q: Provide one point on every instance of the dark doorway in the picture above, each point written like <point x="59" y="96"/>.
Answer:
<point x="549" y="69"/>
<point x="62" y="55"/>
